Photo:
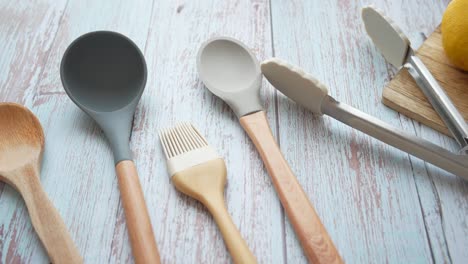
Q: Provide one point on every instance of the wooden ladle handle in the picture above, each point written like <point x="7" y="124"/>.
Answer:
<point x="314" y="238"/>
<point x="47" y="222"/>
<point x="139" y="226"/>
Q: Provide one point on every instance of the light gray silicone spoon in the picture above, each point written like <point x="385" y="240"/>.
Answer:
<point x="104" y="73"/>
<point x="311" y="94"/>
<point x="230" y="71"/>
<point x="395" y="47"/>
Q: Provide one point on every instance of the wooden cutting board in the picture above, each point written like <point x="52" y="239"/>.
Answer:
<point x="403" y="95"/>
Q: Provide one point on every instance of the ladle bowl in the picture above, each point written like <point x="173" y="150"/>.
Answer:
<point x="103" y="71"/>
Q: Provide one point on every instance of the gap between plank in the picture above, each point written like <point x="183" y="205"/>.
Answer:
<point x="36" y="93"/>
<point x="276" y="107"/>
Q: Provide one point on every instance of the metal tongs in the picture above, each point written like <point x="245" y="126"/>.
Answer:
<point x="395" y="47"/>
<point x="310" y="93"/>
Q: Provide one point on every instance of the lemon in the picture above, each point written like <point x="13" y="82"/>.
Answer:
<point x="455" y="33"/>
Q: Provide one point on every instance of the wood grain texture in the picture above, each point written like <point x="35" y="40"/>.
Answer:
<point x="21" y="148"/>
<point x="378" y="204"/>
<point x="205" y="182"/>
<point x="86" y="196"/>
<point x="95" y="198"/>
<point x="28" y="31"/>
<point x="187" y="232"/>
<point x="26" y="36"/>
<point x="138" y="223"/>
<point x="313" y="236"/>
<point x="374" y="187"/>
<point x="47" y="222"/>
<point x="403" y="94"/>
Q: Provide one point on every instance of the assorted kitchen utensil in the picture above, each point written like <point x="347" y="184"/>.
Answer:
<point x="104" y="73"/>
<point x="311" y="94"/>
<point x="230" y="71"/>
<point x="21" y="148"/>
<point x="396" y="49"/>
<point x="199" y="172"/>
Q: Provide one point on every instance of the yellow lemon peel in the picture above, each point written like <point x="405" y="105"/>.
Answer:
<point x="455" y="33"/>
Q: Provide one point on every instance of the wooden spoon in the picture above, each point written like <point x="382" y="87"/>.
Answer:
<point x="21" y="147"/>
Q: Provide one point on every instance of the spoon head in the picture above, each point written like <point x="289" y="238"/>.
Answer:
<point x="230" y="71"/>
<point x="386" y="35"/>
<point x="103" y="71"/>
<point x="21" y="137"/>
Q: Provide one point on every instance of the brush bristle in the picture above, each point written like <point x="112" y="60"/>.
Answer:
<point x="181" y="139"/>
<point x="185" y="148"/>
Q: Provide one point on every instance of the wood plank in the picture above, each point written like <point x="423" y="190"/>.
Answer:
<point x="27" y="31"/>
<point x="86" y="196"/>
<point x="378" y="204"/>
<point x="251" y="198"/>
<point x="375" y="201"/>
<point x="186" y="232"/>
<point x="403" y="94"/>
<point x="442" y="196"/>
<point x="97" y="180"/>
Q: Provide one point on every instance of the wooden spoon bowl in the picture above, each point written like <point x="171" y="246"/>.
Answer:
<point x="21" y="141"/>
<point x="21" y="148"/>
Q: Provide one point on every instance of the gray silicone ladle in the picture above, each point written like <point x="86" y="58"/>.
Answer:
<point x="231" y="71"/>
<point x="104" y="73"/>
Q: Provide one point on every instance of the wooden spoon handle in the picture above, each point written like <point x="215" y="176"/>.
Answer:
<point x="138" y="222"/>
<point x="47" y="222"/>
<point x="314" y="238"/>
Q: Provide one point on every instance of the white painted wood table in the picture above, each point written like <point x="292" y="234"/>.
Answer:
<point x="379" y="204"/>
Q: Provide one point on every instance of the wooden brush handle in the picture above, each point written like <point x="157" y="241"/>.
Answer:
<point x="139" y="226"/>
<point x="205" y="183"/>
<point x="46" y="220"/>
<point x="314" y="238"/>
<point x="236" y="245"/>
